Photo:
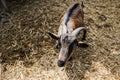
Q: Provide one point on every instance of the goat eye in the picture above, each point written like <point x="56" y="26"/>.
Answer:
<point x="58" y="46"/>
<point x="76" y="42"/>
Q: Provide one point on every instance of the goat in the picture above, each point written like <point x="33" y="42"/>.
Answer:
<point x="71" y="24"/>
<point x="5" y="6"/>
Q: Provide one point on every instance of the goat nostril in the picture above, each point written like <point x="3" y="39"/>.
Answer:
<point x="61" y="63"/>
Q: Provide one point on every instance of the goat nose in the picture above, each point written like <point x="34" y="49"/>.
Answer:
<point x="61" y="63"/>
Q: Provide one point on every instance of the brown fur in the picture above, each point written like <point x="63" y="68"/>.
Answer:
<point x="77" y="17"/>
<point x="71" y="25"/>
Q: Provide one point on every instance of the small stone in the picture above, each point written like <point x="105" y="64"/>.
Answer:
<point x="102" y="18"/>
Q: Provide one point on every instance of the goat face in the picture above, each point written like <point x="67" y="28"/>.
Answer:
<point x="66" y="42"/>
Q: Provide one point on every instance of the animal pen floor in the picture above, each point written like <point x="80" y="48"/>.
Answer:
<point x="28" y="53"/>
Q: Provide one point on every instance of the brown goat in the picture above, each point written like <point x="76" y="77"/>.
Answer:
<point x="5" y="6"/>
<point x="71" y="25"/>
<point x="4" y="3"/>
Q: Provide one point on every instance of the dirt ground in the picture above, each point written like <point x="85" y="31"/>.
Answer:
<point x="28" y="53"/>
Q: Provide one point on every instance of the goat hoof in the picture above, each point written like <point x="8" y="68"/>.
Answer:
<point x="2" y="19"/>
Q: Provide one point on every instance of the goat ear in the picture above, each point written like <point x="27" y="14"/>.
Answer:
<point x="53" y="36"/>
<point x="76" y="32"/>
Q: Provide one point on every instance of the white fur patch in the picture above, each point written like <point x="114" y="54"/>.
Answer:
<point x="62" y="29"/>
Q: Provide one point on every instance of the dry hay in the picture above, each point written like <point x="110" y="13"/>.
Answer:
<point x="28" y="53"/>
